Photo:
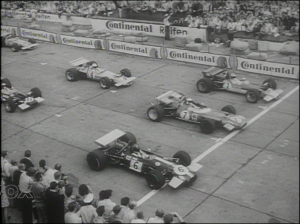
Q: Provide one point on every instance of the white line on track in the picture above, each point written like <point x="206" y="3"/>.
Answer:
<point x="225" y="139"/>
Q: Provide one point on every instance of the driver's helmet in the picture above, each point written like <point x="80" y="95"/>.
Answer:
<point x="189" y="100"/>
<point x="135" y="148"/>
<point x="94" y="65"/>
<point x="233" y="75"/>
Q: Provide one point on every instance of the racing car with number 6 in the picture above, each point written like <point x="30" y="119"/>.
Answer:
<point x="86" y="69"/>
<point x="217" y="78"/>
<point x="120" y="148"/>
<point x="173" y="104"/>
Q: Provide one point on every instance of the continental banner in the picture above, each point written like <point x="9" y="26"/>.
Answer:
<point x="38" y="35"/>
<point x="221" y="61"/>
<point x="136" y="49"/>
<point x="268" y="68"/>
<point x="84" y="42"/>
<point x="9" y="30"/>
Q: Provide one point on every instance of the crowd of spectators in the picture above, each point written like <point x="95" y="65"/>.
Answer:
<point x="44" y="195"/>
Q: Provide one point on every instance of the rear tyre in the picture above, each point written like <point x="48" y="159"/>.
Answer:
<point x="72" y="75"/>
<point x="204" y="85"/>
<point x="3" y="42"/>
<point x="252" y="95"/>
<point x="156" y="113"/>
<point x="183" y="158"/>
<point x="207" y="126"/>
<point x="32" y="41"/>
<point x="155" y="179"/>
<point x="10" y="105"/>
<point x="126" y="72"/>
<point x="105" y="83"/>
<point x="129" y="137"/>
<point x="6" y="82"/>
<point x="271" y="83"/>
<point x="36" y="92"/>
<point x="96" y="160"/>
<point x="230" y="109"/>
<point x="15" y="47"/>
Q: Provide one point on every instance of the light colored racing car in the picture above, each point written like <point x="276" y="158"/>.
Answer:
<point x="120" y="148"/>
<point x="176" y="105"/>
<point x="12" y="98"/>
<point x="16" y="44"/>
<point x="217" y="78"/>
<point x="86" y="69"/>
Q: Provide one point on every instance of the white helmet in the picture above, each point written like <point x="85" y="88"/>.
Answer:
<point x="233" y="75"/>
<point x="189" y="100"/>
<point x="94" y="65"/>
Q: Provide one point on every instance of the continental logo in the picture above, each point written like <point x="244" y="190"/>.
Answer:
<point x="34" y="34"/>
<point x="123" y="47"/>
<point x="42" y="16"/>
<point x="261" y="67"/>
<point x="116" y="25"/>
<point x="178" y="55"/>
<point x="79" y="42"/>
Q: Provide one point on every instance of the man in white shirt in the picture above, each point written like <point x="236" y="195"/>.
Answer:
<point x="158" y="218"/>
<point x="71" y="216"/>
<point x="139" y="218"/>
<point x="107" y="203"/>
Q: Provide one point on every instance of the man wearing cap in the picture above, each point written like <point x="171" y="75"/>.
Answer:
<point x="87" y="211"/>
<point x="115" y="216"/>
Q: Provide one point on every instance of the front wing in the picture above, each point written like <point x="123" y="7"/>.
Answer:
<point x="125" y="82"/>
<point x="36" y="100"/>
<point x="271" y="94"/>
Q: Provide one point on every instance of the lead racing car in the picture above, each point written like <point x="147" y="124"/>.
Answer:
<point x="16" y="44"/>
<point x="119" y="147"/>
<point x="13" y="98"/>
<point x="217" y="78"/>
<point x="176" y="105"/>
<point x="86" y="69"/>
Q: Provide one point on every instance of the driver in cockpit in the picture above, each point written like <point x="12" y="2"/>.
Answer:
<point x="136" y="151"/>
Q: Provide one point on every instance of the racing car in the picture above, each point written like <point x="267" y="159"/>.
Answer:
<point x="121" y="148"/>
<point x="86" y="69"/>
<point x="176" y="105"/>
<point x="16" y="44"/>
<point x="12" y="98"/>
<point x="217" y="78"/>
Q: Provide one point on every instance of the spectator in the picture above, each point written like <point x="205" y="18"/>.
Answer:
<point x="218" y="24"/>
<point x="105" y="201"/>
<point x="38" y="190"/>
<point x="295" y="29"/>
<point x="264" y="30"/>
<point x="274" y="30"/>
<point x="26" y="160"/>
<point x="26" y="196"/>
<point x="158" y="218"/>
<point x="139" y="218"/>
<point x="115" y="216"/>
<point x="188" y="19"/>
<point x="281" y="28"/>
<point x="224" y="25"/>
<point x="42" y="165"/>
<point x="83" y="191"/>
<point x="69" y="197"/>
<point x="11" y="170"/>
<point x="49" y="176"/>
<point x="181" y="7"/>
<point x="193" y="24"/>
<point x="16" y="182"/>
<point x="198" y="21"/>
<point x="71" y="216"/>
<point x="196" y="8"/>
<point x="4" y="203"/>
<point x="167" y="26"/>
<point x="87" y="211"/>
<point x="125" y="210"/>
<point x="131" y="213"/>
<point x="100" y="211"/>
<point x="54" y="204"/>
<point x="5" y="165"/>
<point x="169" y="218"/>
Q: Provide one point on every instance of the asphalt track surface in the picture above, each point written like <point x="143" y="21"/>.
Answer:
<point x="250" y="175"/>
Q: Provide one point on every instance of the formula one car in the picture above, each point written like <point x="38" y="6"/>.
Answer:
<point x="85" y="69"/>
<point x="12" y="98"/>
<point x="174" y="104"/>
<point x="16" y="44"/>
<point x="217" y="78"/>
<point x="118" y="147"/>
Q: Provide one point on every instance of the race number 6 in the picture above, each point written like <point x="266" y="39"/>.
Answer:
<point x="136" y="165"/>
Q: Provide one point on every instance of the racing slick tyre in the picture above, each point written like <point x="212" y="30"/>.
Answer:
<point x="271" y="83"/>
<point x="204" y="85"/>
<point x="72" y="75"/>
<point x="32" y="41"/>
<point x="229" y="109"/>
<point x="252" y="95"/>
<point x="105" y="83"/>
<point x="183" y="158"/>
<point x="3" y="42"/>
<point x="6" y="82"/>
<point x="207" y="126"/>
<point x="36" y="92"/>
<point x="155" y="113"/>
<point x="155" y="179"/>
<point x="10" y="105"/>
<point x="128" y="137"/>
<point x="126" y="72"/>
<point x="96" y="160"/>
<point x="15" y="47"/>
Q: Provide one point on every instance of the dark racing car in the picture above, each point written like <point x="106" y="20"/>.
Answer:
<point x="118" y="147"/>
<point x="217" y="78"/>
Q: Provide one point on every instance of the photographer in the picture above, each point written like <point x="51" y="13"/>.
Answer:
<point x="169" y="218"/>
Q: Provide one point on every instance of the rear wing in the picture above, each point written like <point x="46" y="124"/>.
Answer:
<point x="109" y="137"/>
<point x="165" y="97"/>
<point x="212" y="71"/>
<point x="79" y="61"/>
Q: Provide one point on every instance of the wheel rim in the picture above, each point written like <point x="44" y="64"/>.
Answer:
<point x="251" y="97"/>
<point x="14" y="49"/>
<point x="153" y="115"/>
<point x="202" y="86"/>
<point x="103" y="83"/>
<point x="70" y="76"/>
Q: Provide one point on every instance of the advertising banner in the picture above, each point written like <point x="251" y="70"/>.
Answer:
<point x="268" y="68"/>
<point x="38" y="35"/>
<point x="197" y="57"/>
<point x="9" y="30"/>
<point x="84" y="42"/>
<point x="136" y="49"/>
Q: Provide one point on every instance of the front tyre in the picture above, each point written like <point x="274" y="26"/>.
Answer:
<point x="204" y="85"/>
<point x="229" y="109"/>
<point x="10" y="105"/>
<point x="36" y="92"/>
<point x="72" y="75"/>
<point x="96" y="160"/>
<point x="6" y="82"/>
<point x="183" y="158"/>
<point x="125" y="72"/>
<point x="207" y="126"/>
<point x="252" y="95"/>
<point x="155" y="179"/>
<point x="32" y="41"/>
<point x="105" y="83"/>
<point x="155" y="113"/>
<point x="270" y="83"/>
<point x="128" y="137"/>
<point x="15" y="47"/>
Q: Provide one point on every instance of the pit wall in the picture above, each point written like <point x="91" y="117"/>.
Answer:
<point x="161" y="52"/>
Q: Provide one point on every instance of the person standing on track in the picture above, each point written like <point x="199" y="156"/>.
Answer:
<point x="167" y="26"/>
